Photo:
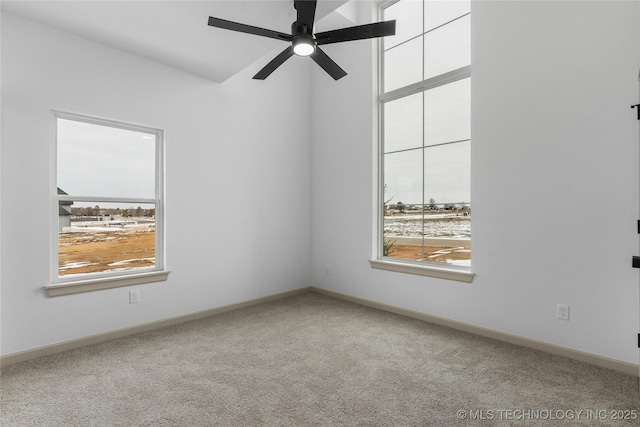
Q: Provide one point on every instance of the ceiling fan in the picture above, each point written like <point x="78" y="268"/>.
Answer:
<point x="304" y="42"/>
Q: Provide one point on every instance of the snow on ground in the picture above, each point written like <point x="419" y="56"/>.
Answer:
<point x="459" y="262"/>
<point x="438" y="225"/>
<point x="129" y="261"/>
<point x="72" y="265"/>
<point x="89" y="226"/>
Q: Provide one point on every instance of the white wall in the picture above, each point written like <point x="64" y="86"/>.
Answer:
<point x="237" y="169"/>
<point x="555" y="153"/>
<point x="554" y="178"/>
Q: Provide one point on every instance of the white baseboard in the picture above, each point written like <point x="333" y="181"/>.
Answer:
<point x="617" y="365"/>
<point x="605" y="362"/>
<point x="34" y="353"/>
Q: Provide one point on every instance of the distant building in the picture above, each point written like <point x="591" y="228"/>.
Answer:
<point x="64" y="213"/>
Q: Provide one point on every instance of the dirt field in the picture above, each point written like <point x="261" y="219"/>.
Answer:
<point x="431" y="253"/>
<point x="92" y="252"/>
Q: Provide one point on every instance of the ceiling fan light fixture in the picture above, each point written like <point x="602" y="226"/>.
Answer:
<point x="303" y="45"/>
<point x="304" y="42"/>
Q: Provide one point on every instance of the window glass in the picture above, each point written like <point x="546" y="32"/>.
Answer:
<point x="98" y="238"/>
<point x="447" y="219"/>
<point x="448" y="47"/>
<point x="403" y="177"/>
<point x="447" y="177"/>
<point x="408" y="17"/>
<point x="447" y="113"/>
<point x="403" y="123"/>
<point x="426" y="135"/>
<point x="437" y="13"/>
<point x="403" y="65"/>
<point x="96" y="160"/>
<point x="403" y="202"/>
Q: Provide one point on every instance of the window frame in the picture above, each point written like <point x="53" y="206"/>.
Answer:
<point x="379" y="261"/>
<point x="63" y="285"/>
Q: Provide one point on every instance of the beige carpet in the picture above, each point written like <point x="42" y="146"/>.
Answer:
<point x="311" y="360"/>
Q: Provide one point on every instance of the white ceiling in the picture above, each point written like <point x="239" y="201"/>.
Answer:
<point x="175" y="32"/>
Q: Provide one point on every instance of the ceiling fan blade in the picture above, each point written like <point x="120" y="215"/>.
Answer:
<point x="367" y="31"/>
<point x="249" y="29"/>
<point x="328" y="64"/>
<point x="275" y="63"/>
<point x="306" y="13"/>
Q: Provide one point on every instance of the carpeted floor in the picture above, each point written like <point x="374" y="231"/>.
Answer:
<point x="311" y="360"/>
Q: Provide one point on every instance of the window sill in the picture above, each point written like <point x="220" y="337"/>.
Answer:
<point x="450" y="273"/>
<point x="101" y="283"/>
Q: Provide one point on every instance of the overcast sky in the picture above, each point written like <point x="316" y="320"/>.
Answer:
<point x="104" y="161"/>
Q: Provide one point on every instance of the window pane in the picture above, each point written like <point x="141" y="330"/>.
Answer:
<point x="96" y="160"/>
<point x="403" y="123"/>
<point x="403" y="177"/>
<point x="447" y="177"/>
<point x="447" y="221"/>
<point x="447" y="111"/>
<point x="447" y="48"/>
<point x="94" y="238"/>
<point x="403" y="65"/>
<point x="437" y="13"/>
<point x="402" y="228"/>
<point x="408" y="16"/>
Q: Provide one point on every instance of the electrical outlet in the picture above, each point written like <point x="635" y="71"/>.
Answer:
<point x="563" y="311"/>
<point x="327" y="270"/>
<point x="134" y="297"/>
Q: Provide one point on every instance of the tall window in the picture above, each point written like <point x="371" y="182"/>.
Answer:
<point x="425" y="140"/>
<point x="108" y="199"/>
